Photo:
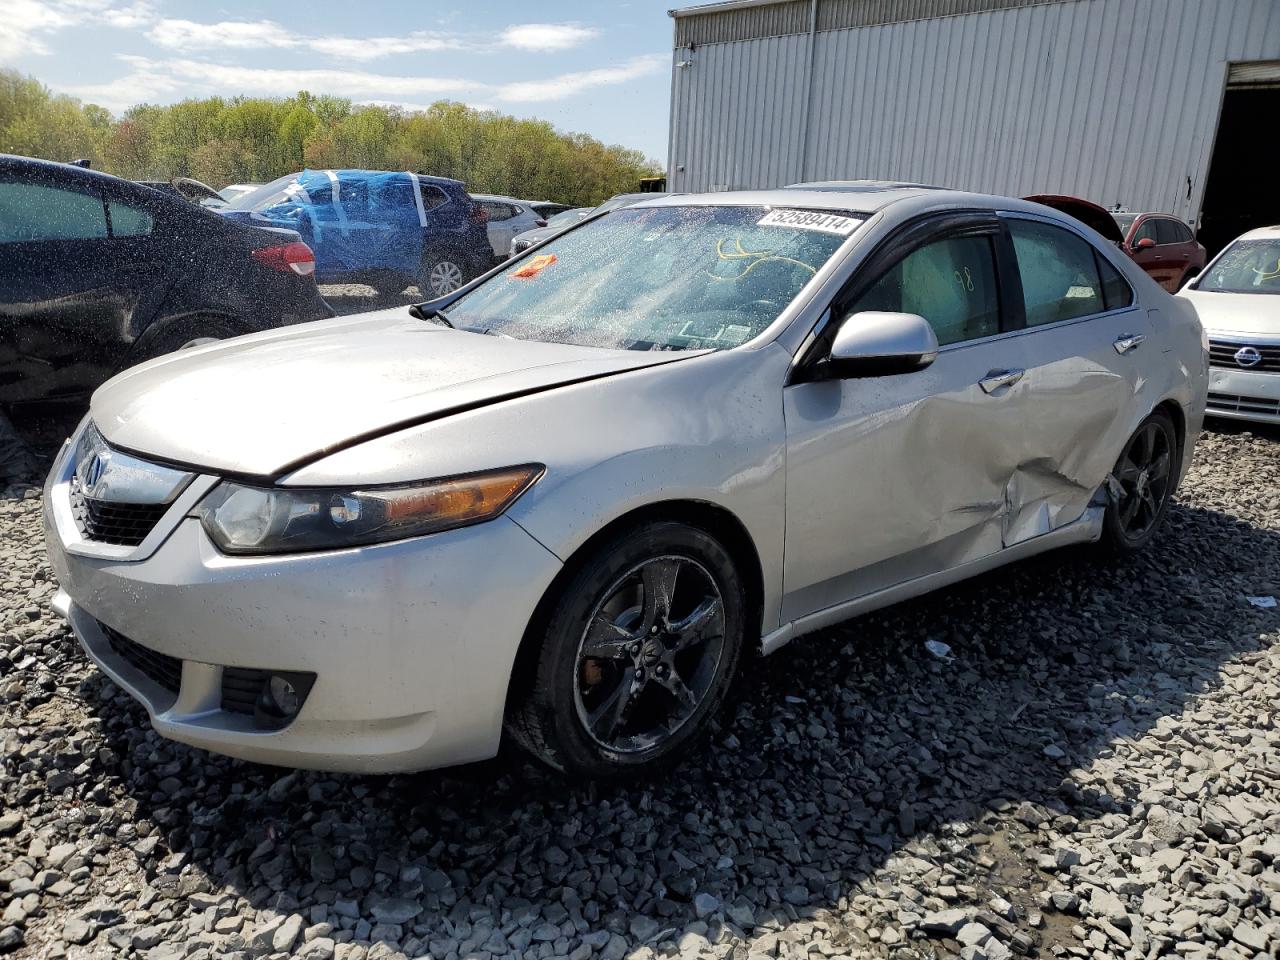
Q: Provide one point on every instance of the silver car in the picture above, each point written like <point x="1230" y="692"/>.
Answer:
<point x="567" y="500"/>
<point x="506" y="217"/>
<point x="1238" y="299"/>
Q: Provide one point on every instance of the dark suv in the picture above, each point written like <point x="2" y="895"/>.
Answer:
<point x="98" y="273"/>
<point x="385" y="229"/>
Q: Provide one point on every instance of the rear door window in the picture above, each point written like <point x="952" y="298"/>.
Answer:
<point x="498" y="211"/>
<point x="433" y="197"/>
<point x="127" y="221"/>
<point x="1060" y="279"/>
<point x="1170" y="231"/>
<point x="34" y="212"/>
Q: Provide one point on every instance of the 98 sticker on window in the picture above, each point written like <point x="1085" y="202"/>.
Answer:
<point x="818" y="220"/>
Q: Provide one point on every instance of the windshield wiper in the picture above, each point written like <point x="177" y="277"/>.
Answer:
<point x="431" y="313"/>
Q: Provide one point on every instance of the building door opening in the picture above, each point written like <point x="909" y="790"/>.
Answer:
<point x="1241" y="192"/>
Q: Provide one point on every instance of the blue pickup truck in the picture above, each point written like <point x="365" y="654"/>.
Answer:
<point x="388" y="230"/>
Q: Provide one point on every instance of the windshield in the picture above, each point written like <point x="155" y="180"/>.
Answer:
<point x="659" y="278"/>
<point x="267" y="195"/>
<point x="1124" y="221"/>
<point x="564" y="218"/>
<point x="1247" y="266"/>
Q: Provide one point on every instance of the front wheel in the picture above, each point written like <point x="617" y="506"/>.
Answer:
<point x="1141" y="485"/>
<point x="441" y="274"/>
<point x="637" y="654"/>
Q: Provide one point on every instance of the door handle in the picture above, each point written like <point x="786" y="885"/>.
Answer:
<point x="996" y="379"/>
<point x="1128" y="341"/>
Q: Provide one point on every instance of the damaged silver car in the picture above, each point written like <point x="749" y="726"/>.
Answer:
<point x="567" y="500"/>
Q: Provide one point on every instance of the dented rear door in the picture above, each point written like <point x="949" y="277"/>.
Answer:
<point x="1087" y="344"/>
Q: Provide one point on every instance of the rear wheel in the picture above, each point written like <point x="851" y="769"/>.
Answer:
<point x="637" y="655"/>
<point x="1141" y="485"/>
<point x="441" y="274"/>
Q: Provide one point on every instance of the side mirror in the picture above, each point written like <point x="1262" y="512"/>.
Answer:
<point x="1146" y="243"/>
<point x="873" y="344"/>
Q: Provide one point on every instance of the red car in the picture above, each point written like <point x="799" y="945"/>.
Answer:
<point x="1163" y="246"/>
<point x="1159" y="243"/>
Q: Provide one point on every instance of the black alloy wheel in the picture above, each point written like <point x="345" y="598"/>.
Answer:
<point x="635" y="656"/>
<point x="1142" y="483"/>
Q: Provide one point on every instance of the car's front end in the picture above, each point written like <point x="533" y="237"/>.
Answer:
<point x="312" y="657"/>
<point x="1238" y="300"/>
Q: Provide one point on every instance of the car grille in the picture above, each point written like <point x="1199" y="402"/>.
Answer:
<point x="1223" y="354"/>
<point x="241" y="688"/>
<point x="125" y="524"/>
<point x="1230" y="403"/>
<point x="160" y="668"/>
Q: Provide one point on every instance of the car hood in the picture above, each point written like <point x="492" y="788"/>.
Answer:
<point x="1240" y="313"/>
<point x="262" y="404"/>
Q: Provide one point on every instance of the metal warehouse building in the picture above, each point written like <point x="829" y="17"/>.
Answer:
<point x="1170" y="105"/>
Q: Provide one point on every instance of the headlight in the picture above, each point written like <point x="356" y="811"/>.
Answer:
<point x="243" y="519"/>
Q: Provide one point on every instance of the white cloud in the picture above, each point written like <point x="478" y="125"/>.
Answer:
<point x="23" y="24"/>
<point x="188" y="35"/>
<point x="568" y="84"/>
<point x="546" y="37"/>
<point x="151" y="80"/>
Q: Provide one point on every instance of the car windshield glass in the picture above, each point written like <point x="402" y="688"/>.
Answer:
<point x="1247" y="266"/>
<point x="659" y="278"/>
<point x="1124" y="221"/>
<point x="267" y="195"/>
<point x="564" y="219"/>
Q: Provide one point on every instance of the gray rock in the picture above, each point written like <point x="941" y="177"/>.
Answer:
<point x="946" y="922"/>
<point x="643" y="928"/>
<point x="398" y="910"/>
<point x="704" y="904"/>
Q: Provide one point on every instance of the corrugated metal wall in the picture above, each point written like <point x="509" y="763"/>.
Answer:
<point x="1114" y="100"/>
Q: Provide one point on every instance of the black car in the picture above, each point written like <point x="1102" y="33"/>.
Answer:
<point x="98" y="273"/>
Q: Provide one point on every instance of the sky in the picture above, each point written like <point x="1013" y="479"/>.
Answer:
<point x="602" y="68"/>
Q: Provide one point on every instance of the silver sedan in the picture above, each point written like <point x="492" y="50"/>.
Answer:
<point x="567" y="500"/>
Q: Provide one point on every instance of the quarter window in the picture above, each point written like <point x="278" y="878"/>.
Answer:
<point x="1060" y="279"/>
<point x="951" y="283"/>
<point x="1115" y="288"/>
<point x="29" y="212"/>
<point x="129" y="221"/>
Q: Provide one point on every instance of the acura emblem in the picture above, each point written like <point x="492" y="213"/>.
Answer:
<point x="1248" y="357"/>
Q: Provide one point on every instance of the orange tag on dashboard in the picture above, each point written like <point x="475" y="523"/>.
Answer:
<point x="535" y="266"/>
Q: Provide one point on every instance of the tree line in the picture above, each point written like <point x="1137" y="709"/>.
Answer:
<point x="249" y="139"/>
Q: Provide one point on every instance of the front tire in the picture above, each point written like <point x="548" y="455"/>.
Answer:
<point x="1140" y="486"/>
<point x="636" y="656"/>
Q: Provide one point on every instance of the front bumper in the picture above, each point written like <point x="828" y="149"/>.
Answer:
<point x="411" y="643"/>
<point x="1244" y="395"/>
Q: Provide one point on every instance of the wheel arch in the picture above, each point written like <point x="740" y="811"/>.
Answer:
<point x="161" y="326"/>
<point x="711" y="518"/>
<point x="1174" y="410"/>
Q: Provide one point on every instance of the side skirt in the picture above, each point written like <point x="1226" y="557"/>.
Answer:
<point x="1085" y="530"/>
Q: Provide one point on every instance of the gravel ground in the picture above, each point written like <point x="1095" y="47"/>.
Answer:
<point x="1094" y="773"/>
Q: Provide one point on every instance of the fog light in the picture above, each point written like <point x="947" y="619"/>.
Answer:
<point x="283" y="696"/>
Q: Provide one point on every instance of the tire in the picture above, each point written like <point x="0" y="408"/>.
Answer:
<point x="185" y="335"/>
<point x="1141" y="485"/>
<point x="441" y="274"/>
<point x="655" y="685"/>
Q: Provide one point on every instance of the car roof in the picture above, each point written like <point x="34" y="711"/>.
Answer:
<point x="1261" y="233"/>
<point x="500" y="198"/>
<point x="859" y="199"/>
<point x="861" y="186"/>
